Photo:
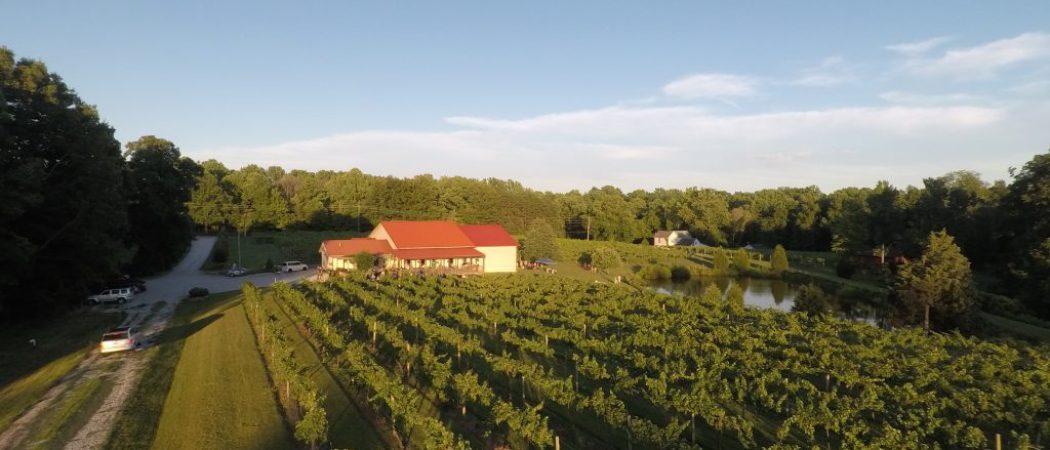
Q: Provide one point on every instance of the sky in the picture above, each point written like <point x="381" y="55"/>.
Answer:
<point x="564" y="95"/>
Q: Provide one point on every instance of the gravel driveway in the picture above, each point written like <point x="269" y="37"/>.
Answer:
<point x="169" y="288"/>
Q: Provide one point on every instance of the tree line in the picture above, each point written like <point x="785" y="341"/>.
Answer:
<point x="1004" y="228"/>
<point x="74" y="209"/>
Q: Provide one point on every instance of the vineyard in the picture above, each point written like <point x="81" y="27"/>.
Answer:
<point x="540" y="362"/>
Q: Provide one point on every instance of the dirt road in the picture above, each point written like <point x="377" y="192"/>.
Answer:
<point x="150" y="311"/>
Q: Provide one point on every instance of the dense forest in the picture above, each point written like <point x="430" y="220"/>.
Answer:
<point x="76" y="211"/>
<point x="1003" y="229"/>
<point x="74" y="204"/>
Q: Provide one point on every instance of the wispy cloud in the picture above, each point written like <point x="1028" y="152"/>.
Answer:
<point x="831" y="71"/>
<point x="919" y="47"/>
<point x="984" y="60"/>
<point x="711" y="85"/>
<point x="912" y="98"/>
<point x="644" y="146"/>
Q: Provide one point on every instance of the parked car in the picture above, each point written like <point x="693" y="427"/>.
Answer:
<point x="236" y="271"/>
<point x="292" y="266"/>
<point x="117" y="295"/>
<point x="127" y="282"/>
<point x="119" y="339"/>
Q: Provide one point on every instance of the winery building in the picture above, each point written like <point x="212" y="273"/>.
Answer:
<point x="433" y="245"/>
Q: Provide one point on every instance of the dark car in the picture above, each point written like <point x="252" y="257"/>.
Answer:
<point x="127" y="282"/>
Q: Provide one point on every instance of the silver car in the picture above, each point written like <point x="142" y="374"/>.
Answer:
<point x="119" y="339"/>
<point x="116" y="295"/>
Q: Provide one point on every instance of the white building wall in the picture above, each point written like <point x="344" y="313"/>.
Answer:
<point x="380" y="233"/>
<point x="500" y="259"/>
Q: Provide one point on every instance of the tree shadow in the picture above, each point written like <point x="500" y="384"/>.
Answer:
<point x="182" y="332"/>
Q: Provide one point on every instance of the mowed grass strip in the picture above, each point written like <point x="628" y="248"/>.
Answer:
<point x="347" y="427"/>
<point x="26" y="373"/>
<point x="136" y="424"/>
<point x="220" y="396"/>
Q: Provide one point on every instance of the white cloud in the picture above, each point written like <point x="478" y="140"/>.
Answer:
<point x="919" y="47"/>
<point x="831" y="71"/>
<point x="711" y="85"/>
<point x="1033" y="88"/>
<point x="785" y="157"/>
<point x="984" y="60"/>
<point x="652" y="146"/>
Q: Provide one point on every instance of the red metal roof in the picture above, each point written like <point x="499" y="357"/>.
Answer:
<point x="489" y="235"/>
<point x="426" y="234"/>
<point x="343" y="247"/>
<point x="437" y="253"/>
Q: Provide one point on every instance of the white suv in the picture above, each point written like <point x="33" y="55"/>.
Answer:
<point x="292" y="266"/>
<point x="119" y="339"/>
<point x="116" y="295"/>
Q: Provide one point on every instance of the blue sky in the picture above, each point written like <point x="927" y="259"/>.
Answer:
<point x="563" y="95"/>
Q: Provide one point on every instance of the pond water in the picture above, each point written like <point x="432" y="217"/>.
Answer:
<point x="766" y="293"/>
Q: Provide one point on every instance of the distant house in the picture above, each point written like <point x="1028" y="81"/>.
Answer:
<point x="668" y="238"/>
<point x="440" y="245"/>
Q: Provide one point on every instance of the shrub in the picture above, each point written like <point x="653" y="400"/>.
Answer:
<point x="198" y="292"/>
<point x="364" y="261"/>
<point x="605" y="258"/>
<point x="269" y="265"/>
<point x="845" y="268"/>
<point x="585" y="259"/>
<point x="812" y="300"/>
<point x="680" y="273"/>
<point x="655" y="273"/>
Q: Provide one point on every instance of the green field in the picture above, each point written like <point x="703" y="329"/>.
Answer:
<point x="26" y="373"/>
<point x="220" y="396"/>
<point x="276" y="246"/>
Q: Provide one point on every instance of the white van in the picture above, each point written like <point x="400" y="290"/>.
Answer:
<point x="292" y="266"/>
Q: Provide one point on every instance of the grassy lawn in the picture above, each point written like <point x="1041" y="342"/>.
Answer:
<point x="1017" y="328"/>
<point x="276" y="246"/>
<point x="26" y="373"/>
<point x="347" y="428"/>
<point x="220" y="396"/>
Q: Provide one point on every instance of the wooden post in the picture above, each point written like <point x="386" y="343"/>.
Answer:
<point x="557" y="443"/>
<point x="998" y="442"/>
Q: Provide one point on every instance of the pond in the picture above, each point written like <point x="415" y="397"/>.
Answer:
<point x="767" y="293"/>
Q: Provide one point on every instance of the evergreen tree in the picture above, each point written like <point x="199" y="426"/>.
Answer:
<point x="940" y="281"/>
<point x="721" y="261"/>
<point x="779" y="261"/>
<point x="540" y="242"/>
<point x="742" y="260"/>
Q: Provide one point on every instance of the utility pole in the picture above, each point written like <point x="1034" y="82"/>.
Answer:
<point x="358" y="217"/>
<point x="588" y="228"/>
